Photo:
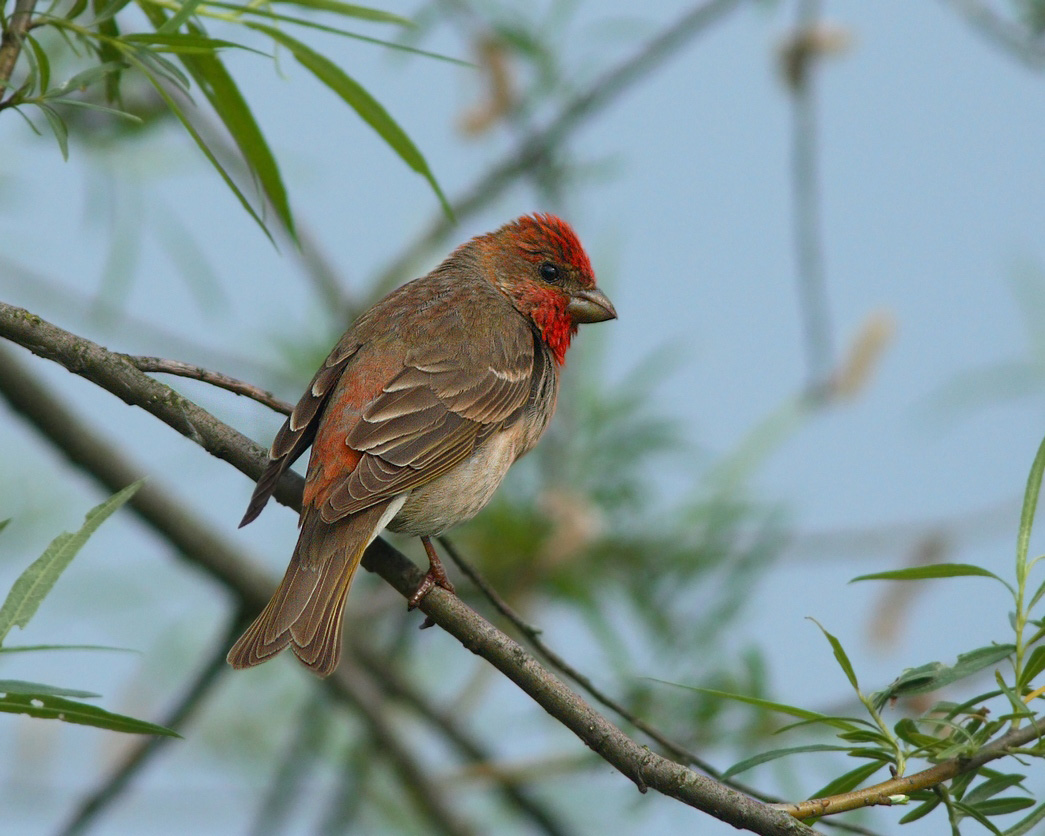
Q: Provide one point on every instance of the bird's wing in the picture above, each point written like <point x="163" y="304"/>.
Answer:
<point x="299" y="430"/>
<point x="428" y="418"/>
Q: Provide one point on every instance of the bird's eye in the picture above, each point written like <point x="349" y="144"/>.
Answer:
<point x="549" y="272"/>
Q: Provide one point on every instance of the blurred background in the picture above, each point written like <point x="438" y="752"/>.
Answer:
<point x="821" y="225"/>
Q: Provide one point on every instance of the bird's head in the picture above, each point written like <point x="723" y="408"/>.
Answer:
<point x="538" y="262"/>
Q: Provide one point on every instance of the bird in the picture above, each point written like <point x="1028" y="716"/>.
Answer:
<point x="415" y="417"/>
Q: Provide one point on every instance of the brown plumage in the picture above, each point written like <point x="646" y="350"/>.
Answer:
<point x="417" y="414"/>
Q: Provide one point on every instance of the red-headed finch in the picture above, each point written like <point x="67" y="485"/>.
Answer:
<point x="417" y="414"/>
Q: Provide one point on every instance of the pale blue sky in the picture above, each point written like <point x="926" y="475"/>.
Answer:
<point x="933" y="201"/>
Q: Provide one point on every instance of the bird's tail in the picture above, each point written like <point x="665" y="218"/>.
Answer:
<point x="307" y="607"/>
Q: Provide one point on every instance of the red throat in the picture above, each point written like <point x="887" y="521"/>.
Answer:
<point x="547" y="309"/>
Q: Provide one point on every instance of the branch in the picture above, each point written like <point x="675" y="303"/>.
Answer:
<point x="200" y="546"/>
<point x="643" y="767"/>
<point x="222" y="381"/>
<point x="885" y="792"/>
<point x="11" y="43"/>
<point x="535" y="145"/>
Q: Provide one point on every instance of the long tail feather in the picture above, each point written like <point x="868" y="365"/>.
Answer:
<point x="306" y="609"/>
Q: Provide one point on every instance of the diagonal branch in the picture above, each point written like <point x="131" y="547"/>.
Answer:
<point x="638" y="763"/>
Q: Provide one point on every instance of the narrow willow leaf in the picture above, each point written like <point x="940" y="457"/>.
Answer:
<point x="936" y="570"/>
<point x="773" y="754"/>
<point x="86" y="78"/>
<point x="265" y="14"/>
<point x="47" y="707"/>
<point x="351" y="10"/>
<point x="907" y="730"/>
<point x="43" y="65"/>
<point x="973" y="813"/>
<point x="781" y="708"/>
<point x="922" y="810"/>
<point x="196" y="42"/>
<point x="1037" y="597"/>
<point x="1034" y="664"/>
<point x="1002" y="806"/>
<point x="107" y="11"/>
<point x="1024" y="826"/>
<point x="991" y="787"/>
<point x="17" y="686"/>
<point x="1030" y="506"/>
<point x="840" y="656"/>
<point x="36" y="581"/>
<point x="230" y="105"/>
<point x="76" y="10"/>
<point x="177" y="111"/>
<point x="936" y="675"/>
<point x="35" y="648"/>
<point x="850" y="781"/>
<point x="112" y="111"/>
<point x="368" y="108"/>
<point x="61" y="134"/>
<point x="3" y="523"/>
<point x="188" y="8"/>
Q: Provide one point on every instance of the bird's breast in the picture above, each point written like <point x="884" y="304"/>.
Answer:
<point x="459" y="494"/>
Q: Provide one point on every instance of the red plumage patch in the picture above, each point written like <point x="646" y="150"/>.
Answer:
<point x="538" y="233"/>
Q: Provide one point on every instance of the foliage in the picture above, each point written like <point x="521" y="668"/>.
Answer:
<point x="48" y="701"/>
<point x="100" y="40"/>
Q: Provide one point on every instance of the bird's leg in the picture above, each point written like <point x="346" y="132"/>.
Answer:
<point x="436" y="576"/>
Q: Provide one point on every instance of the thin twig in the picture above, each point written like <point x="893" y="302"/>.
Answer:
<point x="222" y="381"/>
<point x="535" y="146"/>
<point x="145" y="751"/>
<point x="11" y="42"/>
<point x="1010" y="36"/>
<point x="642" y="766"/>
<point x="889" y="792"/>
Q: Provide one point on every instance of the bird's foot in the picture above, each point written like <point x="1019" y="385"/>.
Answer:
<point x="436" y="577"/>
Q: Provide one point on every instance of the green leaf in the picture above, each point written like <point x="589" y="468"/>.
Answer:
<point x="922" y="810"/>
<point x="85" y="78"/>
<point x="1023" y="827"/>
<point x="180" y="42"/>
<point x="177" y="111"/>
<point x="61" y="133"/>
<point x="936" y="570"/>
<point x="368" y="108"/>
<point x="3" y="523"/>
<point x="908" y="731"/>
<point x="48" y="707"/>
<point x="223" y="94"/>
<point x="35" y="648"/>
<point x="1034" y="664"/>
<point x="840" y="656"/>
<point x="17" y="686"/>
<point x="974" y="813"/>
<point x="186" y="11"/>
<point x="991" y="787"/>
<point x="43" y="65"/>
<point x="351" y="10"/>
<point x="112" y="111"/>
<point x="793" y="711"/>
<point x="850" y="781"/>
<point x="772" y="755"/>
<point x="36" y="581"/>
<point x="936" y="675"/>
<point x="1002" y="806"/>
<point x="1030" y="506"/>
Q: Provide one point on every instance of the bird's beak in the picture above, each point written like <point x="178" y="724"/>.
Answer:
<point x="590" y="305"/>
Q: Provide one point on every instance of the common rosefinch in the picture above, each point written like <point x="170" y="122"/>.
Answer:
<point x="417" y="414"/>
